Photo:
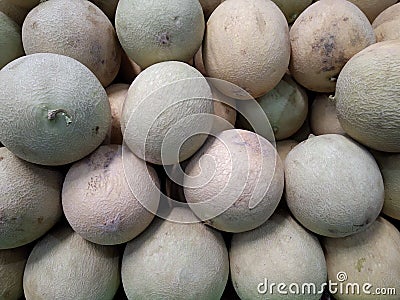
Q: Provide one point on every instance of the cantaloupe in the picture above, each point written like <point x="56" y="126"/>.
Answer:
<point x="235" y="181"/>
<point x="279" y="251"/>
<point x="29" y="200"/>
<point x="372" y="8"/>
<point x="367" y="96"/>
<point x="292" y="8"/>
<point x="53" y="109"/>
<point x="323" y="42"/>
<point x="333" y="185"/>
<point x="109" y="199"/>
<point x="365" y="265"/>
<point x="78" y="29"/>
<point x="16" y="13"/>
<point x="247" y="43"/>
<point x="173" y="260"/>
<point x="167" y="113"/>
<point x="63" y="265"/>
<point x="387" y="24"/>
<point x="12" y="264"/>
<point x="10" y="40"/>
<point x="156" y="31"/>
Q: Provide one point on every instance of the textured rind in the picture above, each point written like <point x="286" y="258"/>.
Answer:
<point x="103" y="195"/>
<point x="12" y="264"/>
<point x="281" y="251"/>
<point x="63" y="265"/>
<point x="333" y="186"/>
<point x="161" y="96"/>
<point x="141" y="24"/>
<point x="246" y="170"/>
<point x="323" y="38"/>
<point x="372" y="8"/>
<point x="30" y="202"/>
<point x="75" y="28"/>
<point x="367" y="96"/>
<point x="33" y="84"/>
<point x="387" y="24"/>
<point x="371" y="256"/>
<point x="175" y="261"/>
<point x="247" y="43"/>
<point x="10" y="40"/>
<point x="323" y="118"/>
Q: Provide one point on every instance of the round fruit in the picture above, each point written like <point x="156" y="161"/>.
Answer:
<point x="322" y="42"/>
<point x="75" y="28"/>
<point x="247" y="44"/>
<point x="284" y="147"/>
<point x="12" y="264"/>
<point x="372" y="8"/>
<point x="156" y="31"/>
<point x="280" y="251"/>
<point x="367" y="260"/>
<point x="167" y="106"/>
<point x="29" y="200"/>
<point x="193" y="257"/>
<point x="323" y="118"/>
<point x="16" y="13"/>
<point x="63" y="265"/>
<point x="389" y="164"/>
<point x="53" y="109"/>
<point x="387" y="24"/>
<point x="333" y="185"/>
<point x="235" y="181"/>
<point x="367" y="96"/>
<point x="103" y="196"/>
<point x="286" y="107"/>
<point x="116" y="96"/>
<point x="10" y="40"/>
<point x="292" y="8"/>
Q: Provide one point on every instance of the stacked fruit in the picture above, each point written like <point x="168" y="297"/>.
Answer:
<point x="208" y="149"/>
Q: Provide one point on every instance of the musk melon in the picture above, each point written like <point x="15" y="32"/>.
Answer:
<point x="10" y="40"/>
<point x="323" y="42"/>
<point x="173" y="260"/>
<point x="75" y="28"/>
<point x="152" y="31"/>
<point x="105" y="196"/>
<point x="333" y="186"/>
<point x="53" y="109"/>
<point x="247" y="44"/>
<point x="387" y="24"/>
<point x="367" y="96"/>
<point x="166" y="111"/>
<point x="235" y="181"/>
<point x="279" y="251"/>
<point x="30" y="201"/>
<point x="63" y="265"/>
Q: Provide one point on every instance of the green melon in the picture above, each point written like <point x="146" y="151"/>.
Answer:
<point x="10" y="40"/>
<point x="152" y="31"/>
<point x="53" y="109"/>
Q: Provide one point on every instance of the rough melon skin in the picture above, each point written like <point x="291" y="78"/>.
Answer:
<point x="387" y="24"/>
<point x="10" y="40"/>
<point x="168" y="104"/>
<point x="323" y="38"/>
<point x="369" y="257"/>
<point x="75" y="28"/>
<point x="173" y="260"/>
<point x="367" y="96"/>
<point x="63" y="265"/>
<point x="247" y="43"/>
<point x="103" y="195"/>
<point x="152" y="31"/>
<point x="333" y="186"/>
<point x="12" y="264"/>
<point x="281" y="251"/>
<point x="30" y="201"/>
<point x="33" y="90"/>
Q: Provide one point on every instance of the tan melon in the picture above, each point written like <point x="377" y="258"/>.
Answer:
<point x="247" y="44"/>
<point x="387" y="24"/>
<point x="368" y="105"/>
<point x="322" y="42"/>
